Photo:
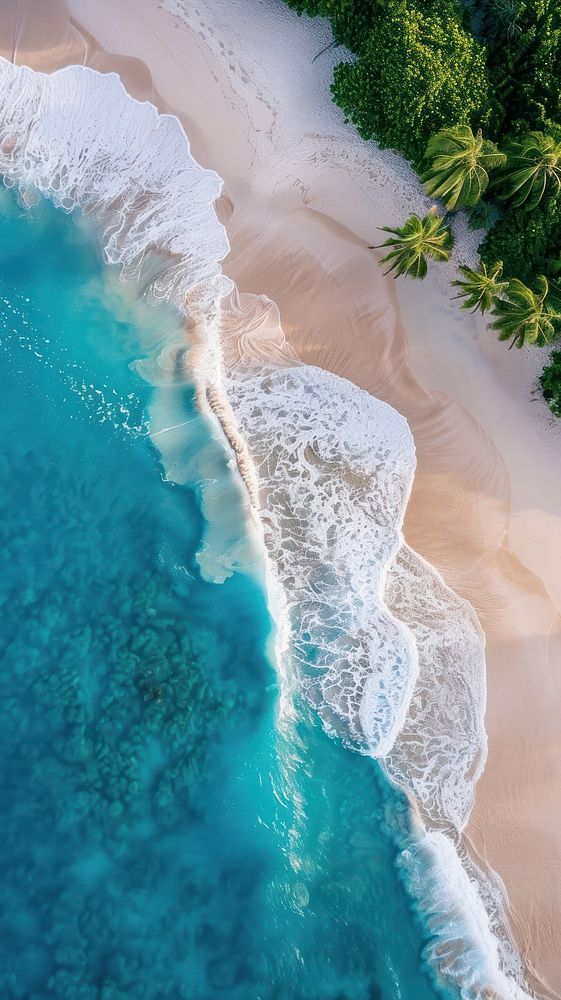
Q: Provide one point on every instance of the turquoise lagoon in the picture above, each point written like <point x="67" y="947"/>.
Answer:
<point x="164" y="833"/>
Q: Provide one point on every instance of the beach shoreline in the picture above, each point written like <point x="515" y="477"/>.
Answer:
<point x="300" y="237"/>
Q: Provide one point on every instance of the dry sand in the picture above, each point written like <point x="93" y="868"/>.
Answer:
<point x="303" y="197"/>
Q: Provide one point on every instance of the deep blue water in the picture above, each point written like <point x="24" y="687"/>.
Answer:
<point x="163" y="835"/>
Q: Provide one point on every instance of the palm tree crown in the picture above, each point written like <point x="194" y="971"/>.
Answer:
<point x="459" y="165"/>
<point x="500" y="20"/>
<point x="524" y="316"/>
<point x="480" y="288"/>
<point x="413" y="242"/>
<point x="533" y="166"/>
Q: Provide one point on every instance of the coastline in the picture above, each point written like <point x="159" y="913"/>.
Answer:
<point x="307" y="252"/>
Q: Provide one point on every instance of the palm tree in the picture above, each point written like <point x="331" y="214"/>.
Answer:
<point x="524" y="316"/>
<point x="413" y="242"/>
<point x="459" y="165"/>
<point x="480" y="288"/>
<point x="500" y="19"/>
<point x="533" y="166"/>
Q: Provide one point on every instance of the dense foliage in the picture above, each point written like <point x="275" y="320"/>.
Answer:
<point x="418" y="72"/>
<point x="524" y="46"/>
<point x="532" y="169"/>
<point x="550" y="381"/>
<point x="350" y="19"/>
<point x="458" y="166"/>
<point x="470" y="92"/>
<point x="528" y="243"/>
<point x="524" y="316"/>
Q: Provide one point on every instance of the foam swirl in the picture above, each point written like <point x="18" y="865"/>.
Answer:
<point x="335" y="480"/>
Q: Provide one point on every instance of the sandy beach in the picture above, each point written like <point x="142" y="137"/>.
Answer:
<point x="302" y="201"/>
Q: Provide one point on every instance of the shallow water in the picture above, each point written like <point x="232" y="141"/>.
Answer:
<point x="164" y="833"/>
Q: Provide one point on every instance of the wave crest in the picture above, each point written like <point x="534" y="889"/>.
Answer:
<point x="155" y="212"/>
<point x="335" y="467"/>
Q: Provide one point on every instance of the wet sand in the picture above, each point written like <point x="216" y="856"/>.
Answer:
<point x="303" y="197"/>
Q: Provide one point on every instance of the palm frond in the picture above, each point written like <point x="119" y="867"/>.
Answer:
<point x="411" y="244"/>
<point x="524" y="316"/>
<point x="533" y="166"/>
<point x="480" y="289"/>
<point x="459" y="165"/>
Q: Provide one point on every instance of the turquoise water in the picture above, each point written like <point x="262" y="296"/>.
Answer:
<point x="164" y="833"/>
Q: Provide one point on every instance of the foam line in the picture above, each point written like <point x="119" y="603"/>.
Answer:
<point x="335" y="467"/>
<point x="449" y="901"/>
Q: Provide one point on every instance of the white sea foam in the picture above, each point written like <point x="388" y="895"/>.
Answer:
<point x="442" y="746"/>
<point x="392" y="660"/>
<point x="131" y="169"/>
<point x="450" y="903"/>
<point x="335" y="468"/>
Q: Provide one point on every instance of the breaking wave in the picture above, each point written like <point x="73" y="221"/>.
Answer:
<point x="335" y="468"/>
<point x="391" y="659"/>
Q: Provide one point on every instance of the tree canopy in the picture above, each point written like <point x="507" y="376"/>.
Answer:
<point x="414" y="242"/>
<point x="524" y="316"/>
<point x="418" y="72"/>
<point x="524" y="46"/>
<point x="480" y="289"/>
<point x="532" y="168"/>
<point x="458" y="166"/>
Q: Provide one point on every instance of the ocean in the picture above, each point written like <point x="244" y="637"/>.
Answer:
<point x="167" y="831"/>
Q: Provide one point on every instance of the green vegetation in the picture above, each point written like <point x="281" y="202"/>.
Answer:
<point x="550" y="381"/>
<point x="470" y="92"/>
<point x="413" y="242"/>
<point x="528" y="243"/>
<point x="524" y="316"/>
<point x="523" y="40"/>
<point x="419" y="71"/>
<point x="532" y="167"/>
<point x="480" y="289"/>
<point x="350" y="19"/>
<point x="459" y="162"/>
